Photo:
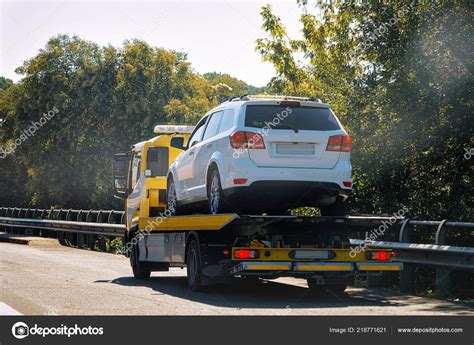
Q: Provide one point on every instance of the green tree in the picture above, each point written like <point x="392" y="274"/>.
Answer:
<point x="398" y="76"/>
<point x="106" y="99"/>
<point x="226" y="86"/>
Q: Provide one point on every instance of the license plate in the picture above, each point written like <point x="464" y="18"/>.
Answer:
<point x="311" y="254"/>
<point x="296" y="149"/>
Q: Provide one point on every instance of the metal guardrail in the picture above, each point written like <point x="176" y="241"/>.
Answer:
<point x="89" y="216"/>
<point x="116" y="230"/>
<point x="79" y="228"/>
<point x="427" y="254"/>
<point x="445" y="258"/>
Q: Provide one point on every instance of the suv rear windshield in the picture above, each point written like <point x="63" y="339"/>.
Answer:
<point x="299" y="118"/>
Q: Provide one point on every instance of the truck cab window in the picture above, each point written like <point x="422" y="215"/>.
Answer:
<point x="157" y="161"/>
<point x="135" y="172"/>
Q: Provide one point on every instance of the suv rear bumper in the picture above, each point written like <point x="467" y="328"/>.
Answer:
<point x="278" y="195"/>
<point x="244" y="168"/>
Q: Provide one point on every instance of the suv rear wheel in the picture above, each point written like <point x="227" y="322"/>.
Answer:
<point x="215" y="196"/>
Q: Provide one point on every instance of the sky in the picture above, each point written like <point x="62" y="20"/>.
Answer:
<point x="217" y="36"/>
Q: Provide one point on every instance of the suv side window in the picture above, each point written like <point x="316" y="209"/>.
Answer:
<point x="227" y="121"/>
<point x="213" y="125"/>
<point x="197" y="134"/>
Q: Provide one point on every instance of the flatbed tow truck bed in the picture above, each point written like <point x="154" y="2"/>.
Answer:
<point x="262" y="246"/>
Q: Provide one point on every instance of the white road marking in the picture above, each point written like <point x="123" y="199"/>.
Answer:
<point x="5" y="309"/>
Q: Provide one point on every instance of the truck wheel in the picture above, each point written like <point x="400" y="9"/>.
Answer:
<point x="215" y="195"/>
<point x="140" y="271"/>
<point x="62" y="238"/>
<point x="194" y="266"/>
<point x="338" y="208"/>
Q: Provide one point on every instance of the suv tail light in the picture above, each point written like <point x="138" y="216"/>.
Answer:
<point x="339" y="143"/>
<point x="246" y="140"/>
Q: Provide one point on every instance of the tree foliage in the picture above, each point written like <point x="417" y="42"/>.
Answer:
<point x="226" y="86"/>
<point x="107" y="99"/>
<point x="398" y="74"/>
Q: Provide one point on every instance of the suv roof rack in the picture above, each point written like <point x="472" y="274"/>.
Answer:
<point x="282" y="97"/>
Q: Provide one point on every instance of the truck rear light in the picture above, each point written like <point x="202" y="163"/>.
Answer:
<point x="339" y="143"/>
<point x="379" y="256"/>
<point x="246" y="254"/>
<point x="246" y="140"/>
<point x="240" y="180"/>
<point x="347" y="183"/>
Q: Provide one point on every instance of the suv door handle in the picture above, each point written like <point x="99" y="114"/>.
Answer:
<point x="191" y="153"/>
<point x="209" y="145"/>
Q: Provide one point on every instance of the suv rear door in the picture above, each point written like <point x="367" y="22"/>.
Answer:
<point x="295" y="136"/>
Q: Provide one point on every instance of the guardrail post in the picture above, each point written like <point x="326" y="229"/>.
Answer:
<point x="80" y="240"/>
<point x="443" y="280"/>
<point x="407" y="277"/>
<point x="91" y="241"/>
<point x="102" y="243"/>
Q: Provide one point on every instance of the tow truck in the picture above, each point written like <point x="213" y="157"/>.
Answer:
<point x="221" y="248"/>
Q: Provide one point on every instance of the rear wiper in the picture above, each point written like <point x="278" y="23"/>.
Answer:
<point x="287" y="127"/>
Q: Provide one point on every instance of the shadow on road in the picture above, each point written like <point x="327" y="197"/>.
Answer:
<point x="264" y="294"/>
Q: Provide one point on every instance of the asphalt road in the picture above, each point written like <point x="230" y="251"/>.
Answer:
<point x="39" y="280"/>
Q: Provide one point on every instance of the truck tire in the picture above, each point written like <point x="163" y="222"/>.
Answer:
<point x="194" y="266"/>
<point x="140" y="270"/>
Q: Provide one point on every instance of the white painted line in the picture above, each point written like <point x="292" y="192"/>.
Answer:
<point x="5" y="309"/>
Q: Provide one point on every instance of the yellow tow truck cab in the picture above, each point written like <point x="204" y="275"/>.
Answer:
<point x="217" y="248"/>
<point x="140" y="174"/>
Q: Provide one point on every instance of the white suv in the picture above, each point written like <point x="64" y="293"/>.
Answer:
<point x="263" y="154"/>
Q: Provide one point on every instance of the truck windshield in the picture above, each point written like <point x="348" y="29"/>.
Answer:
<point x="281" y="117"/>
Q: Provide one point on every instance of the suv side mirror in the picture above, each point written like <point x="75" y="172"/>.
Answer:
<point x="120" y="175"/>
<point x="178" y="143"/>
